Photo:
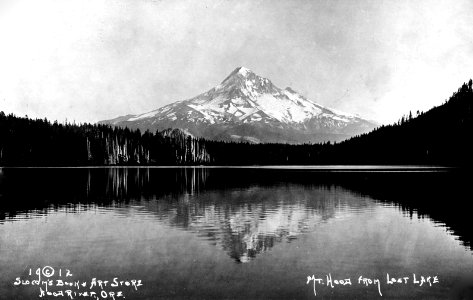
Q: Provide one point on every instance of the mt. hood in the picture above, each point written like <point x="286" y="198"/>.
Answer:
<point x="247" y="107"/>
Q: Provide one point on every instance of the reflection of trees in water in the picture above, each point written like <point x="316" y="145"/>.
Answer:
<point x="440" y="196"/>
<point x="244" y="211"/>
<point x="137" y="183"/>
<point x="118" y="180"/>
<point x="43" y="190"/>
<point x="228" y="208"/>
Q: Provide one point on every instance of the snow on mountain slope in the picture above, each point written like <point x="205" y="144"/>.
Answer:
<point x="250" y="106"/>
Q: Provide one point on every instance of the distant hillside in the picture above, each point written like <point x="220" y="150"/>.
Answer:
<point x="443" y="135"/>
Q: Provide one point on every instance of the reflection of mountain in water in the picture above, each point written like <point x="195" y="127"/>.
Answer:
<point x="243" y="211"/>
<point x="245" y="222"/>
<point x="240" y="216"/>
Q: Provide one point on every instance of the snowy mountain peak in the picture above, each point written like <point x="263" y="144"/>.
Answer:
<point x="244" y="71"/>
<point x="244" y="83"/>
<point x="240" y="73"/>
<point x="246" y="106"/>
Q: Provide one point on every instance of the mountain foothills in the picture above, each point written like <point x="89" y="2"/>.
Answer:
<point x="247" y="107"/>
<point x="440" y="136"/>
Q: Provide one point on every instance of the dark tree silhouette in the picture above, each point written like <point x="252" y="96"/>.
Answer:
<point x="441" y="136"/>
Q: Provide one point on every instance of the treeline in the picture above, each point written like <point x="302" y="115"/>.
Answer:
<point x="441" y="136"/>
<point x="28" y="142"/>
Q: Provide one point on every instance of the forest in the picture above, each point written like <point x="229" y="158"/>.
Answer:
<point x="440" y="136"/>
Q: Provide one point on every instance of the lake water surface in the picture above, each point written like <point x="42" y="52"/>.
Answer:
<point x="236" y="233"/>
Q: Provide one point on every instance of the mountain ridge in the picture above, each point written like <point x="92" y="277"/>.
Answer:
<point x="247" y="105"/>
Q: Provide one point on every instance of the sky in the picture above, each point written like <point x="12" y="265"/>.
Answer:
<point x="89" y="60"/>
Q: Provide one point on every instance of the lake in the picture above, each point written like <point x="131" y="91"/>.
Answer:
<point x="235" y="233"/>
